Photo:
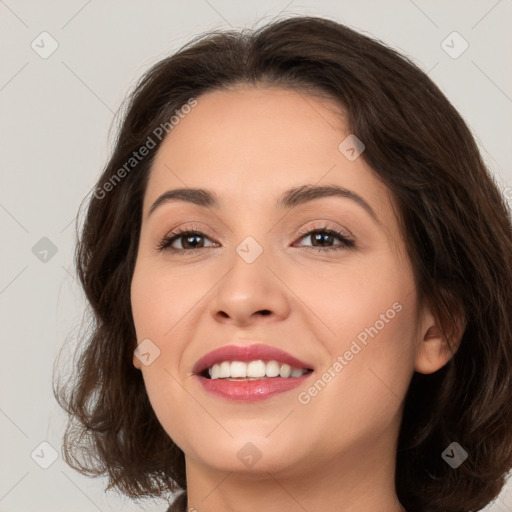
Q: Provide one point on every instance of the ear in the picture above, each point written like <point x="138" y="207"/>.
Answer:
<point x="434" y="349"/>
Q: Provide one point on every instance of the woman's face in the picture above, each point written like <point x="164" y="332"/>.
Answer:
<point x="345" y="307"/>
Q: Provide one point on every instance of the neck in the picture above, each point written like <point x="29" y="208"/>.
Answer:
<point x="358" y="481"/>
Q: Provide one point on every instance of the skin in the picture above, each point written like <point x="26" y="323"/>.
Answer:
<point x="337" y="452"/>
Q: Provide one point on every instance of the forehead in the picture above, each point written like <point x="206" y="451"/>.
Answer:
<point x="251" y="144"/>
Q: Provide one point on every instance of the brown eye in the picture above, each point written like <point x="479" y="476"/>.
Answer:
<point x="190" y="241"/>
<point x="322" y="238"/>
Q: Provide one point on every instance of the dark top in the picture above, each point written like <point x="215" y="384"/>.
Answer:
<point x="179" y="504"/>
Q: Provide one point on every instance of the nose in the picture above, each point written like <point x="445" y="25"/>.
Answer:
<point x="250" y="293"/>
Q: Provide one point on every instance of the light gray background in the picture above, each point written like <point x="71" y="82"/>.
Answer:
<point x="55" y="120"/>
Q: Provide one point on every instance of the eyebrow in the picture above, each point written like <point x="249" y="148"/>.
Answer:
<point x="289" y="199"/>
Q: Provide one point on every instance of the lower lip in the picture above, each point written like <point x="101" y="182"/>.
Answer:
<point x="251" y="390"/>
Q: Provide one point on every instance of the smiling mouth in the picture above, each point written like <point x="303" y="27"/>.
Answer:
<point x="252" y="370"/>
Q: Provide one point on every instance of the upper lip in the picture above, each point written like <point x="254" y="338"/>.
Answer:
<point x="246" y="354"/>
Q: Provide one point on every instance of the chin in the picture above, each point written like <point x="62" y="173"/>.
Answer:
<point x="250" y="454"/>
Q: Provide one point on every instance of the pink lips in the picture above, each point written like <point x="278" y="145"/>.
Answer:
<point x="252" y="389"/>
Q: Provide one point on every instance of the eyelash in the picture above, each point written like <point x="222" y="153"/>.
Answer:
<point x="165" y="243"/>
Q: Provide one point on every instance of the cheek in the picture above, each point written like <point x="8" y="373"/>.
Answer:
<point x="161" y="299"/>
<point x="366" y="294"/>
<point x="360" y="394"/>
<point x="156" y="310"/>
<point x="367" y="318"/>
<point x="162" y="303"/>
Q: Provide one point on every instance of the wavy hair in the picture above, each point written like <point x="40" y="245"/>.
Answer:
<point x="455" y="222"/>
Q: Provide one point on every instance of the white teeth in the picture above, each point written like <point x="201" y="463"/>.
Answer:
<point x="225" y="370"/>
<point x="296" y="372"/>
<point x="220" y="371"/>
<point x="272" y="369"/>
<point x="286" y="370"/>
<point x="238" y="369"/>
<point x="256" y="369"/>
<point x="214" y="371"/>
<point x="253" y="370"/>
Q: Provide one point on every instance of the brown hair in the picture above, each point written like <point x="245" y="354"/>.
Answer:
<point x="455" y="223"/>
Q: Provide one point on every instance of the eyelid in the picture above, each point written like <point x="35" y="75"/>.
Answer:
<point x="191" y="226"/>
<point x="346" y="237"/>
<point x="176" y="233"/>
<point x="326" y="225"/>
<point x="347" y="240"/>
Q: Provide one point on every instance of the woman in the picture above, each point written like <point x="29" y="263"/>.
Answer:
<point x="300" y="272"/>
